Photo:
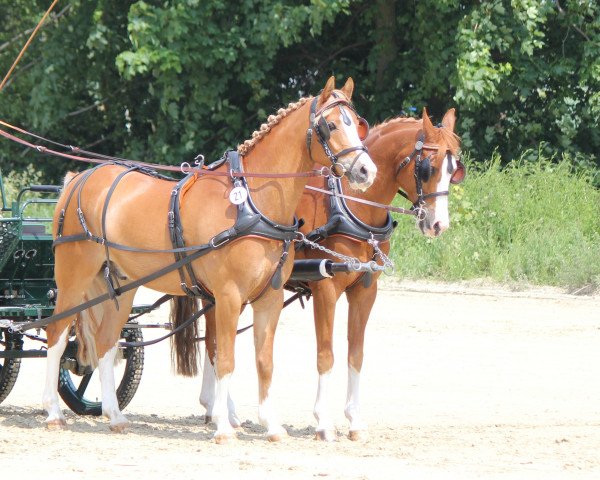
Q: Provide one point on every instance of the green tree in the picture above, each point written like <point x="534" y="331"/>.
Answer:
<point x="163" y="81"/>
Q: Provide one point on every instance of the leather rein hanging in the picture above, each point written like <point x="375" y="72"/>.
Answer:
<point x="146" y="166"/>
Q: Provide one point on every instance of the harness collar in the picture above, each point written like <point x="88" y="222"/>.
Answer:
<point x="343" y="222"/>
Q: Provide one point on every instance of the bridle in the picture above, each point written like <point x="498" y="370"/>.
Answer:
<point x="321" y="128"/>
<point x="422" y="173"/>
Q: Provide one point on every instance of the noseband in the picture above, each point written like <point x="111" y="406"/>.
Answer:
<point x="319" y="126"/>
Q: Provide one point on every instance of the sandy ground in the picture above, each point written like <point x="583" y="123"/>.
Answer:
<point x="458" y="382"/>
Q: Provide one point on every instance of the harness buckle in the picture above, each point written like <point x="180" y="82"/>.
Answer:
<point x="220" y="244"/>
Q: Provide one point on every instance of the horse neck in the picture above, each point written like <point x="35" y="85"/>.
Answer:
<point x="283" y="150"/>
<point x="386" y="143"/>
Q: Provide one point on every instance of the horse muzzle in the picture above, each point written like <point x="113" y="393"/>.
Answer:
<point x="430" y="225"/>
<point x="362" y="172"/>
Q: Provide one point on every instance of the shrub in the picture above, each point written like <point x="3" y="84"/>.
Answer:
<point x="531" y="221"/>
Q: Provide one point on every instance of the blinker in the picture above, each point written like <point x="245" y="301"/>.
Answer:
<point x="459" y="175"/>
<point x="362" y="128"/>
<point x="323" y="129"/>
<point x="424" y="169"/>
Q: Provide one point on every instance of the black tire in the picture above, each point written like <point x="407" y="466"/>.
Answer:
<point x="75" y="396"/>
<point x="9" y="367"/>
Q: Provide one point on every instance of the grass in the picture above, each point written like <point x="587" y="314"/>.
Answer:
<point x="532" y="222"/>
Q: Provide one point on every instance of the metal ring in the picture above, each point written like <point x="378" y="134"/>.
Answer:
<point x="335" y="170"/>
<point x="182" y="166"/>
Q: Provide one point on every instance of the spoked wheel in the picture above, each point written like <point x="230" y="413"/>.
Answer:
<point x="79" y="386"/>
<point x="9" y="367"/>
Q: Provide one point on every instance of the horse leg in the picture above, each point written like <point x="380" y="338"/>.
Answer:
<point x="107" y="336"/>
<point x="72" y="279"/>
<point x="57" y="341"/>
<point x="324" y="300"/>
<point x="360" y="303"/>
<point x="209" y="375"/>
<point x="266" y="317"/>
<point x="227" y="312"/>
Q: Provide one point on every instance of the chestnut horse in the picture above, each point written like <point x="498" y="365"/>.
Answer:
<point x="128" y="210"/>
<point x="424" y="175"/>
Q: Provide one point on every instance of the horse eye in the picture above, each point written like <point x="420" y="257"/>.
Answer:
<point x="332" y="126"/>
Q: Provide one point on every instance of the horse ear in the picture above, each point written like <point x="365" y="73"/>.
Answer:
<point x="326" y="93"/>
<point x="348" y="88"/>
<point x="449" y="120"/>
<point x="428" y="127"/>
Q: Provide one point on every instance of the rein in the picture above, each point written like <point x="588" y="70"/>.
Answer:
<point x="101" y="159"/>
<point x="389" y="208"/>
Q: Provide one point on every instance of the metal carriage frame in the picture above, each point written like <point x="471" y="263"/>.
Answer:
<point x="28" y="293"/>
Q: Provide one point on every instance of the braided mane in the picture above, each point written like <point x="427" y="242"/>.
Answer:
<point x="272" y="120"/>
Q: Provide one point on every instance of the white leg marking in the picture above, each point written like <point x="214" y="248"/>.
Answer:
<point x="50" y="396"/>
<point x="208" y="393"/>
<point x="268" y="419"/>
<point x="233" y="418"/>
<point x="352" y="409"/>
<point x="209" y="385"/>
<point x="110" y="404"/>
<point x="321" y="410"/>
<point x="220" y="413"/>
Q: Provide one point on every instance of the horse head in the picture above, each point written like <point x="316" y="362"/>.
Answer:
<point x="340" y="130"/>
<point x="426" y="174"/>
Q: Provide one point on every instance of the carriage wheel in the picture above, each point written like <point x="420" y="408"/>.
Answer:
<point x="9" y="367"/>
<point x="80" y="387"/>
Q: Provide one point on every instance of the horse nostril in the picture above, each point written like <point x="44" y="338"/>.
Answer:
<point x="437" y="228"/>
<point x="364" y="172"/>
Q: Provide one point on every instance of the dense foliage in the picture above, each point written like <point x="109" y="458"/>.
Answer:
<point x="532" y="222"/>
<point x="166" y="80"/>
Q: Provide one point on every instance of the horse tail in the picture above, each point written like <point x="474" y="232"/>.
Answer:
<point x="86" y="327"/>
<point x="185" y="351"/>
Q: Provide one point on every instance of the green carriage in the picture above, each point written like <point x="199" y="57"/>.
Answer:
<point x="28" y="292"/>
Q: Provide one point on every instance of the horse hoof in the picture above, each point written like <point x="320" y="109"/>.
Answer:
<point x="357" y="435"/>
<point x="277" y="436"/>
<point x="325" y="436"/>
<point x="58" y="424"/>
<point x="119" y="428"/>
<point x="207" y="419"/>
<point x="224" y="438"/>
<point x="234" y="421"/>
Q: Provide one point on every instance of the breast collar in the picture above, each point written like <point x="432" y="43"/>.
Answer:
<point x="343" y="222"/>
<point x="250" y="221"/>
<point x="265" y="227"/>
